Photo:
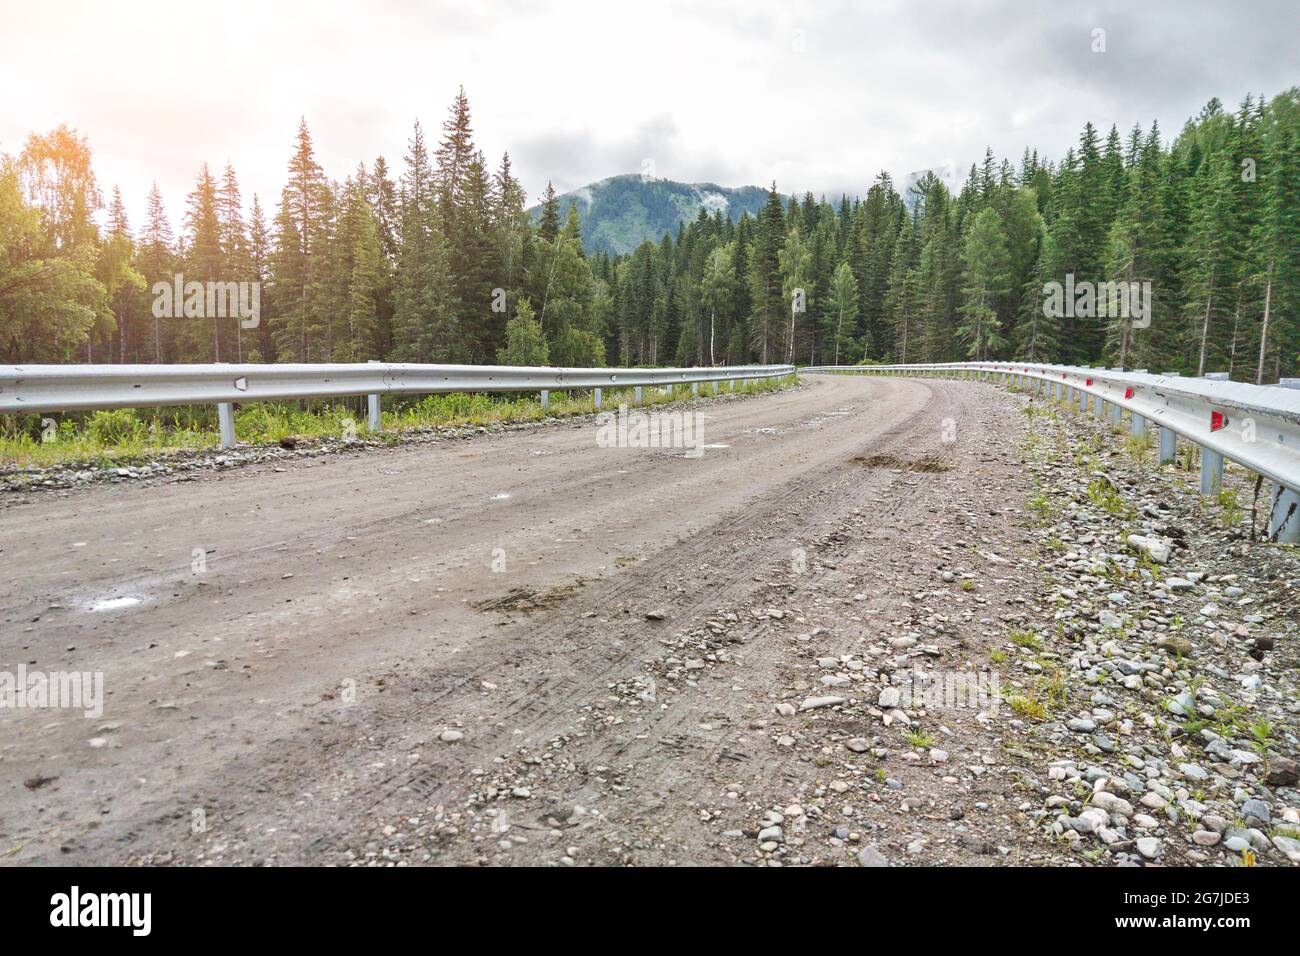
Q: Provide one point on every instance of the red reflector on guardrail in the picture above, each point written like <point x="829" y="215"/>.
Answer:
<point x="1088" y="382"/>
<point x="1217" y="420"/>
<point x="1128" y="393"/>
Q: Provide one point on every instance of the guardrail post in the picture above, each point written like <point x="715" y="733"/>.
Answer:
<point x="1138" y="426"/>
<point x="1284" y="516"/>
<point x="636" y="395"/>
<point x="375" y="419"/>
<point x="1096" y="406"/>
<point x="1168" y="445"/>
<point x="1211" y="471"/>
<point x="717" y="386"/>
<point x="1116" y="414"/>
<point x="695" y="389"/>
<point x="732" y="383"/>
<point x="226" y="423"/>
<point x="596" y="397"/>
<point x="546" y="399"/>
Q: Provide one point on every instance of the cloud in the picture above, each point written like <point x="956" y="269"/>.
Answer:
<point x="819" y="97"/>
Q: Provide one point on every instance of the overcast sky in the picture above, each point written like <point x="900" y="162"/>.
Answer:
<point x="817" y="96"/>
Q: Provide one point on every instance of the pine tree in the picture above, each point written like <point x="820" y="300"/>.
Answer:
<point x="1275" y="238"/>
<point x="301" y="245"/>
<point x="477" y="264"/>
<point x="424" y="319"/>
<point x="116" y="271"/>
<point x="259" y="271"/>
<point x="205" y="261"/>
<point x="234" y="241"/>
<point x="525" y="342"/>
<point x="452" y="163"/>
<point x="1211" y="257"/>
<point x="987" y="277"/>
<point x="385" y="206"/>
<point x="549" y="225"/>
<point x="769" y="304"/>
<point x="356" y="275"/>
<point x="157" y="258"/>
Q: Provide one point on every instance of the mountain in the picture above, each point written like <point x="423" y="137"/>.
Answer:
<point x="620" y="213"/>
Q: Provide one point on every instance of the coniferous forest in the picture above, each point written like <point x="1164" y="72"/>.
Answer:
<point x="433" y="258"/>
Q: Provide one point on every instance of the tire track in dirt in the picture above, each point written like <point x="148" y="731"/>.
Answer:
<point x="310" y="777"/>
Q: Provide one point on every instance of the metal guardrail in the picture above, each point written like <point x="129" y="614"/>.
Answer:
<point x="55" y="388"/>
<point x="1257" y="426"/>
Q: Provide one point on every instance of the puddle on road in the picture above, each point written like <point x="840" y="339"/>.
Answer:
<point x="115" y="604"/>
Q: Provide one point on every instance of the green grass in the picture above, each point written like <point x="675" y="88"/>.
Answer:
<point x="920" y="738"/>
<point x="1139" y="447"/>
<point x="130" y="436"/>
<point x="1104" y="496"/>
<point x="1230" y="510"/>
<point x="1026" y="639"/>
<point x="1040" y="504"/>
<point x="1025" y="705"/>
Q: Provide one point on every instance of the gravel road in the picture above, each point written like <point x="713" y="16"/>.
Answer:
<point x="515" y="648"/>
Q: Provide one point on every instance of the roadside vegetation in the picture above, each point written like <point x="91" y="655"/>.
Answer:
<point x="127" y="436"/>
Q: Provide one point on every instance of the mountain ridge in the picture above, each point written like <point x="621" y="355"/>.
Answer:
<point x="620" y="212"/>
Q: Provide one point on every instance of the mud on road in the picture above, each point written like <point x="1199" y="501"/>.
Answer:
<point x="524" y="648"/>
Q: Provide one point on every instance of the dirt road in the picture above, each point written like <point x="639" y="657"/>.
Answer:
<point x="516" y="648"/>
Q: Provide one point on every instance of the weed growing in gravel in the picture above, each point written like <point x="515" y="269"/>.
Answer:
<point x="967" y="585"/>
<point x="1024" y="705"/>
<point x="1041" y="504"/>
<point x="920" y="738"/>
<point x="1230" y="510"/>
<point x="1262" y="731"/>
<point x="1026" y="639"/>
<point x="1103" y="495"/>
<point x="1139" y="448"/>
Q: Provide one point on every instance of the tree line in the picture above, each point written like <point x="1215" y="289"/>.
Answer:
<point x="440" y="261"/>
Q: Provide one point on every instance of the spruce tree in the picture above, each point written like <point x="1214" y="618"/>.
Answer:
<point x="986" y="279"/>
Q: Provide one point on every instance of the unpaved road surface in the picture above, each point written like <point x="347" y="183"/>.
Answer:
<point x="519" y="648"/>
